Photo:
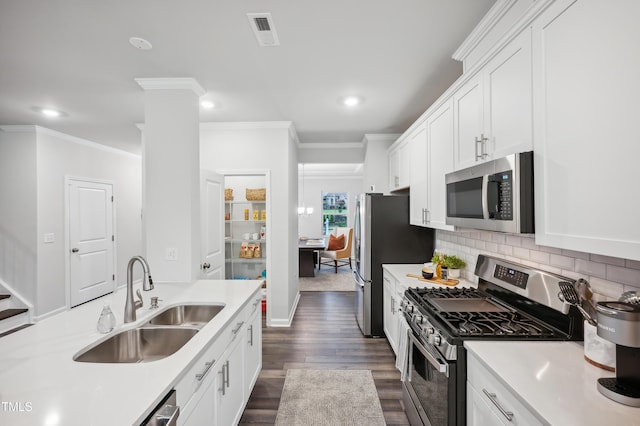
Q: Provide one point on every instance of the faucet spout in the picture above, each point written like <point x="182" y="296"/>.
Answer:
<point x="147" y="284"/>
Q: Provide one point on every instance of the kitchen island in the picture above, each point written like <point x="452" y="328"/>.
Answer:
<point x="41" y="384"/>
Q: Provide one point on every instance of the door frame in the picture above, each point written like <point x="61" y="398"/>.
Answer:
<point x="67" y="244"/>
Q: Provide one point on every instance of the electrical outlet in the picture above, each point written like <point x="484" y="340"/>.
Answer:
<point x="49" y="238"/>
<point x="171" y="254"/>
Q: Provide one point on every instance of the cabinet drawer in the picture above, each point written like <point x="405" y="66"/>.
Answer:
<point x="494" y="393"/>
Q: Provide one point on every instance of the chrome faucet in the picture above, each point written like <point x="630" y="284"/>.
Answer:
<point x="147" y="284"/>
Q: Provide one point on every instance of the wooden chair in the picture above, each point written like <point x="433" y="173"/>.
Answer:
<point x="341" y="257"/>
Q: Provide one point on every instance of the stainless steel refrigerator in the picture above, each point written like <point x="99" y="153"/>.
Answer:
<point x="382" y="234"/>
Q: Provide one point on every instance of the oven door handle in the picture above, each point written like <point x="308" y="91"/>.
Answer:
<point x="441" y="366"/>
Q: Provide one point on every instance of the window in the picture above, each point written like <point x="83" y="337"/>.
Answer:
<point x="335" y="210"/>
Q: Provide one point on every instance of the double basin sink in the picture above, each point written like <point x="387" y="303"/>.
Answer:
<point x="159" y="337"/>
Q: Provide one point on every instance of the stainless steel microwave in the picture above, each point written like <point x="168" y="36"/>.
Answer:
<point x="496" y="195"/>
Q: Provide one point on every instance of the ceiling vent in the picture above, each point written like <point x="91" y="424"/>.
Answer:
<point x="263" y="28"/>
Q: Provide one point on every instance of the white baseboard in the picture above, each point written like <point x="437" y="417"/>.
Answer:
<point x="276" y="322"/>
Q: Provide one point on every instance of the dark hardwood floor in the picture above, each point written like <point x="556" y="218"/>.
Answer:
<point x="324" y="335"/>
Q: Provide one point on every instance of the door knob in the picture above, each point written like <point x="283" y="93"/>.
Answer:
<point x="75" y="250"/>
<point x="206" y="265"/>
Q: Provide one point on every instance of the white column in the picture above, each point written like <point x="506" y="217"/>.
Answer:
<point x="171" y="177"/>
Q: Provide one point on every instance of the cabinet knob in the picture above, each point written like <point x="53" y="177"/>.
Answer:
<point x="75" y="250"/>
<point x="205" y="266"/>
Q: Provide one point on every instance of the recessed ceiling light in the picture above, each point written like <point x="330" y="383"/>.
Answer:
<point x="49" y="112"/>
<point x="140" y="43"/>
<point x="351" y="101"/>
<point x="207" y="104"/>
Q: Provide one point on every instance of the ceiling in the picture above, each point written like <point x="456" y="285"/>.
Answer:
<point x="74" y="55"/>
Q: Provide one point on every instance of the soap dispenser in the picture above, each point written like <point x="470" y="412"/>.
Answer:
<point x="107" y="321"/>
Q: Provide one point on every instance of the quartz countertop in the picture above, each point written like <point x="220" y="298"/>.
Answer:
<point x="400" y="271"/>
<point x="41" y="384"/>
<point x="554" y="381"/>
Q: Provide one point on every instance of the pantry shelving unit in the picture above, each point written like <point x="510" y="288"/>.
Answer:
<point x="245" y="224"/>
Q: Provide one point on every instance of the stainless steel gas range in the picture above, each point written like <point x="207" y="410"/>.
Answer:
<point x="512" y="301"/>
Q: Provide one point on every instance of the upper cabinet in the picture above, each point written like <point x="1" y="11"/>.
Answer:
<point x="399" y="164"/>
<point x="586" y="108"/>
<point x="493" y="108"/>
<point x="431" y="158"/>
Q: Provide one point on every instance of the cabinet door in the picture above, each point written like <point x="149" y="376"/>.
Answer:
<point x="389" y="316"/>
<point x="230" y="384"/>
<point x="478" y="411"/>
<point x="468" y="113"/>
<point x="203" y="410"/>
<point x="394" y="169"/>
<point x="418" y="202"/>
<point x="440" y="159"/>
<point x="405" y="165"/>
<point x="253" y="349"/>
<point x="508" y="99"/>
<point x="586" y="91"/>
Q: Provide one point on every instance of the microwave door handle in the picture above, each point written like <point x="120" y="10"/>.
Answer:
<point x="485" y="195"/>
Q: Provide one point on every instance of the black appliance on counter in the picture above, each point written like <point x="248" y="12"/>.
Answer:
<point x="382" y="234"/>
<point x="512" y="301"/>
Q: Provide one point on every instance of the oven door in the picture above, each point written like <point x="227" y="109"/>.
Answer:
<point x="431" y="386"/>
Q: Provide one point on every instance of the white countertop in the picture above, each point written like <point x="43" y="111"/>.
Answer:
<point x="400" y="271"/>
<point x="554" y="380"/>
<point x="39" y="378"/>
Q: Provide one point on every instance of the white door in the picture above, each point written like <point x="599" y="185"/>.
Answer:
<point x="91" y="240"/>
<point x="212" y="201"/>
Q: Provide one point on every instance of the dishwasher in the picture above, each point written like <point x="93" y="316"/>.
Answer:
<point x="166" y="413"/>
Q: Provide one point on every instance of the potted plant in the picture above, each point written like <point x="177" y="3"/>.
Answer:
<point x="454" y="264"/>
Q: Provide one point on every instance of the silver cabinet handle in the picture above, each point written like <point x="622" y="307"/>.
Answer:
<point x="205" y="266"/>
<point x="393" y="304"/>
<point x="75" y="250"/>
<point x="226" y="368"/>
<point x="207" y="367"/>
<point x="250" y="334"/>
<point x="478" y="141"/>
<point x="235" y="330"/>
<point x="492" y="397"/>
<point x="221" y="388"/>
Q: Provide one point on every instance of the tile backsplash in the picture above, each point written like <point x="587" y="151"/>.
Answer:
<point x="609" y="276"/>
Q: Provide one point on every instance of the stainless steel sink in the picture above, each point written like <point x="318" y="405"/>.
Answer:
<point x="187" y="315"/>
<point x="138" y="345"/>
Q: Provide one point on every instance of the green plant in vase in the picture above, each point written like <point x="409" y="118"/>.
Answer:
<point x="454" y="264"/>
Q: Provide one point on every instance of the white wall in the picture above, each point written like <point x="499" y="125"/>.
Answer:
<point x="38" y="159"/>
<point x="268" y="146"/>
<point x="311" y="225"/>
<point x="60" y="155"/>
<point x="18" y="220"/>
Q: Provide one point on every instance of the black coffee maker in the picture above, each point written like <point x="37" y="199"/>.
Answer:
<point x="619" y="322"/>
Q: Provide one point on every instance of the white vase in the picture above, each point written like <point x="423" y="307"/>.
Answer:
<point x="454" y="273"/>
<point x="597" y="350"/>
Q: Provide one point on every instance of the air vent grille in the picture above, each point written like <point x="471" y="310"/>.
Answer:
<point x="263" y="29"/>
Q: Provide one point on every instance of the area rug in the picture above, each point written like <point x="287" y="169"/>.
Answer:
<point x="326" y="279"/>
<point x="329" y="398"/>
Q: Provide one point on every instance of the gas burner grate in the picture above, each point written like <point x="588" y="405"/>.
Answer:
<point x="495" y="324"/>
<point x="448" y="293"/>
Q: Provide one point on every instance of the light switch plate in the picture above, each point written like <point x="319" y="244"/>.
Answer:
<point x="49" y="237"/>
<point x="171" y="254"/>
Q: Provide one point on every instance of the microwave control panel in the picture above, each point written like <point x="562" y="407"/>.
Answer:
<point x="500" y="196"/>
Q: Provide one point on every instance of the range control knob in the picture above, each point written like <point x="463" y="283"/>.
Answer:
<point x="437" y="340"/>
<point x="430" y="330"/>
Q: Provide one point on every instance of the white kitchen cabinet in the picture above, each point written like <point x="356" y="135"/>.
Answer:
<point x="490" y="402"/>
<point x="493" y="109"/>
<point x="431" y="158"/>
<point x="586" y="91"/>
<point x="229" y="382"/>
<point x="390" y="306"/>
<point x="253" y="345"/>
<point x="420" y="170"/>
<point x="399" y="165"/>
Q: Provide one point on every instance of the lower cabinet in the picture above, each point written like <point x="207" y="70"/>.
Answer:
<point x="490" y="402"/>
<point x="217" y="387"/>
<point x="390" y="306"/>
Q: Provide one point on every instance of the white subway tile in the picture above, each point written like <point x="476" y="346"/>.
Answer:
<point x="521" y="253"/>
<point x="529" y="243"/>
<point x="505" y="249"/>
<point x="539" y="256"/>
<point x="552" y="250"/>
<point x="607" y="288"/>
<point x="563" y="262"/>
<point x="514" y="240"/>
<point x="476" y="235"/>
<point x="571" y="274"/>
<point x="491" y="247"/>
<point x="480" y="245"/>
<point x="623" y="275"/>
<point x="593" y="269"/>
<point x="576" y="254"/>
<point x="633" y="264"/>
<point x="628" y="287"/>
<point x="499" y="238"/>
<point x="486" y="235"/>
<point x="607" y="259"/>
<point x="553" y="270"/>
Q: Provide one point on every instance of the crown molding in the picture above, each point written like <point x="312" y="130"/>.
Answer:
<point x="19" y="128"/>
<point x="247" y="125"/>
<point x="336" y="145"/>
<point x="180" y="83"/>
